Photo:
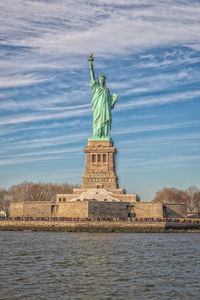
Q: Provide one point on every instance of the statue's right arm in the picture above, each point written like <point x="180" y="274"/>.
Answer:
<point x="91" y="71"/>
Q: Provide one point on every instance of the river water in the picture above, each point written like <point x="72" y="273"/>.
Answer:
<point x="53" y="265"/>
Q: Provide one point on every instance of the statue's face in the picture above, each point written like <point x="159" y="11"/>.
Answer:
<point x="101" y="80"/>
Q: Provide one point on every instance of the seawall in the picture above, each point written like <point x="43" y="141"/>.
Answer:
<point x="95" y="226"/>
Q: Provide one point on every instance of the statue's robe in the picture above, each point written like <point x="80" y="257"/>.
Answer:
<point x="103" y="102"/>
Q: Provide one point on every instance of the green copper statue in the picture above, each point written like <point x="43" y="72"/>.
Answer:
<point x="103" y="102"/>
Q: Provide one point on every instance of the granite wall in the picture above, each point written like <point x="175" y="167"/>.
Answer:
<point x="109" y="209"/>
<point x="72" y="210"/>
<point x="175" y="210"/>
<point x="147" y="210"/>
<point x="36" y="209"/>
<point x="85" y="209"/>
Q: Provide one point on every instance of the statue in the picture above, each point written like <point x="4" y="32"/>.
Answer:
<point x="103" y="102"/>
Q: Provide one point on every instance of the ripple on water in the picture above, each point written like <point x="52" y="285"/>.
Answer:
<point x="42" y="265"/>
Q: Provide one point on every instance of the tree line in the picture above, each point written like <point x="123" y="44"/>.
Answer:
<point x="190" y="196"/>
<point x="30" y="191"/>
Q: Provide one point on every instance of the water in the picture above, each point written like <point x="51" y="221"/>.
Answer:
<point x="47" y="265"/>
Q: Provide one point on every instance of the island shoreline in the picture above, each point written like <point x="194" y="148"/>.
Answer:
<point x="98" y="227"/>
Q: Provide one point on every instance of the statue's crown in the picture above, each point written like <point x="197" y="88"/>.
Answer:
<point x="101" y="75"/>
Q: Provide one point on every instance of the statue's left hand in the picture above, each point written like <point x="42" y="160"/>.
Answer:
<point x="115" y="97"/>
<point x="114" y="100"/>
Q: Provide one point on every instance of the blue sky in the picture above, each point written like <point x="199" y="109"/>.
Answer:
<point x="150" y="52"/>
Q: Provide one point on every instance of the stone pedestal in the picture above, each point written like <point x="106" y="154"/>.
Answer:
<point x="99" y="166"/>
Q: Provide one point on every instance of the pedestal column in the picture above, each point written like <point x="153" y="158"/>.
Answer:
<point x="100" y="166"/>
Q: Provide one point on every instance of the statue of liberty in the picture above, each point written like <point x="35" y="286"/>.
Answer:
<point x="103" y="102"/>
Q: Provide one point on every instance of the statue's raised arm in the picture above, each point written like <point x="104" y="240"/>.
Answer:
<point x="91" y="59"/>
<point x="103" y="102"/>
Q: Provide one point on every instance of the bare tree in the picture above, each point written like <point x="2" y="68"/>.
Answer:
<point x="191" y="196"/>
<point x="29" y="191"/>
<point x="170" y="195"/>
<point x="193" y="199"/>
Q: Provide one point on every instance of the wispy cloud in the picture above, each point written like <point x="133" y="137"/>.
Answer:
<point x="158" y="127"/>
<point x="59" y="26"/>
<point x="156" y="146"/>
<point x="20" y="80"/>
<point x="13" y="143"/>
<point x="10" y="129"/>
<point x="44" y="152"/>
<point x="39" y="156"/>
<point x="11" y="161"/>
<point x="158" y="163"/>
<point x="32" y="117"/>
<point x="160" y="100"/>
<point x="159" y="81"/>
<point x="166" y="59"/>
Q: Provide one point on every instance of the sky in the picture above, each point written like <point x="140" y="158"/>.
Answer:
<point x="149" y="50"/>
